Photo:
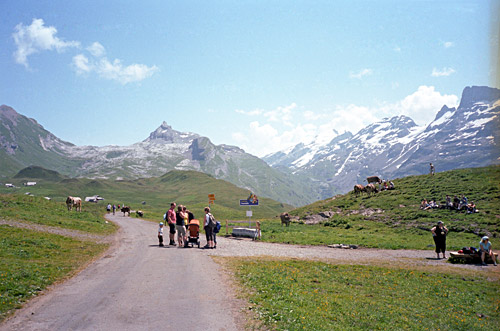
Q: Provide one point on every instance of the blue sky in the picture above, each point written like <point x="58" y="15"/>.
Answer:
<point x="262" y="75"/>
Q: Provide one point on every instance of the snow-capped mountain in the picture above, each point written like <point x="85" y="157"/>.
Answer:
<point x="466" y="136"/>
<point x="23" y="142"/>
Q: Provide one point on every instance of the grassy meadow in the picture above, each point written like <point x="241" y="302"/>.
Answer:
<point x="32" y="260"/>
<point x="38" y="210"/>
<point x="392" y="219"/>
<point x="308" y="295"/>
<point x="189" y="188"/>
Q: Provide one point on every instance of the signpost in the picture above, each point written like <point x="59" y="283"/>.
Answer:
<point x="211" y="199"/>
<point x="252" y="200"/>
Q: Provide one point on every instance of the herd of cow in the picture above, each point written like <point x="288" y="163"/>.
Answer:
<point x="76" y="203"/>
<point x="368" y="189"/>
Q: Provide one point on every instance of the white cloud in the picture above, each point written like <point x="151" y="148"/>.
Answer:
<point x="116" y="71"/>
<point x="448" y="44"/>
<point x="360" y="74"/>
<point x="113" y="70"/>
<point x="397" y="49"/>
<point x="254" y="112"/>
<point x="81" y="64"/>
<point x="35" y="38"/>
<point x="96" y="49"/>
<point x="423" y="104"/>
<point x="443" y="72"/>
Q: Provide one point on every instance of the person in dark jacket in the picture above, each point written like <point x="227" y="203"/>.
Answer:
<point x="439" y="233"/>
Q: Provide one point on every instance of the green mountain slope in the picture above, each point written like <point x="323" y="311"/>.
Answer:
<point x="190" y="188"/>
<point x="399" y="208"/>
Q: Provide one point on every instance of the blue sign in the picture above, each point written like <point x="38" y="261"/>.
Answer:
<point x="252" y="200"/>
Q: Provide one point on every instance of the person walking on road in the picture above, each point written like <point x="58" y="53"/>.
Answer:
<point x="209" y="229"/>
<point x="439" y="233"/>
<point x="114" y="208"/>
<point x="171" y="220"/>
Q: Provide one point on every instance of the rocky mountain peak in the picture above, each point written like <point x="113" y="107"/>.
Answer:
<point x="166" y="134"/>
<point x="475" y="94"/>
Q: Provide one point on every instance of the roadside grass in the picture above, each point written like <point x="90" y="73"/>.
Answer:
<point x="366" y="233"/>
<point x="30" y="261"/>
<point x="309" y="295"/>
<point x="41" y="211"/>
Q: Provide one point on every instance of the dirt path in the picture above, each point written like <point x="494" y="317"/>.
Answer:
<point x="60" y="231"/>
<point x="137" y="286"/>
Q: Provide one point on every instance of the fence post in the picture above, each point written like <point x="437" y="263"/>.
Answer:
<point x="226" y="228"/>
<point x="258" y="229"/>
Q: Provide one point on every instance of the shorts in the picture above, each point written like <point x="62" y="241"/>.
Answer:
<point x="181" y="230"/>
<point x="172" y="228"/>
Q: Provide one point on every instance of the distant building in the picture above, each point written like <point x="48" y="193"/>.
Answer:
<point x="30" y="184"/>
<point x="94" y="198"/>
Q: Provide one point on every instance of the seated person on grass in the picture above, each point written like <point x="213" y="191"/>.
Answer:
<point x="485" y="248"/>
<point x="471" y="208"/>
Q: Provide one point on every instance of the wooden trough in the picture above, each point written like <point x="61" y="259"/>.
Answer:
<point x="470" y="258"/>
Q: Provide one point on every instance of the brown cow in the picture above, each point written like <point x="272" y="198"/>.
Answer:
<point x="285" y="218"/>
<point x="126" y="209"/>
<point x="374" y="179"/>
<point x="358" y="189"/>
<point x="74" y="202"/>
<point x="371" y="189"/>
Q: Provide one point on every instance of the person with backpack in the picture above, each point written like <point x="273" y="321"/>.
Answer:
<point x="209" y="226"/>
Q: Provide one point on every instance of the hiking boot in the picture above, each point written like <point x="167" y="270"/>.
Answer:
<point x="484" y="263"/>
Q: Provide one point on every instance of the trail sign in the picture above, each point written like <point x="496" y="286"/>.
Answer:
<point x="248" y="203"/>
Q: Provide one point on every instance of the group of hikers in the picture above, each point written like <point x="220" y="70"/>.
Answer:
<point x="439" y="233"/>
<point x="113" y="207"/>
<point x="457" y="204"/>
<point x="179" y="222"/>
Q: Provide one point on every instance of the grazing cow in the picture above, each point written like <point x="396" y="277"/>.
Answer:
<point x="285" y="218"/>
<point x="126" y="209"/>
<point x="75" y="202"/>
<point x="371" y="189"/>
<point x="374" y="179"/>
<point x="358" y="189"/>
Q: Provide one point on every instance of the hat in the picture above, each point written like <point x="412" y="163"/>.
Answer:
<point x="485" y="238"/>
<point x="440" y="222"/>
<point x="161" y="223"/>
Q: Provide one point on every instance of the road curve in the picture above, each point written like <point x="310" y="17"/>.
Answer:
<point x="136" y="286"/>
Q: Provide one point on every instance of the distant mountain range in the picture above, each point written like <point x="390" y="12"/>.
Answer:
<point x="461" y="137"/>
<point x="24" y="142"/>
<point x="394" y="147"/>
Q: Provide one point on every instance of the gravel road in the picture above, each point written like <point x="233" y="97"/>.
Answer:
<point x="140" y="286"/>
<point x="136" y="286"/>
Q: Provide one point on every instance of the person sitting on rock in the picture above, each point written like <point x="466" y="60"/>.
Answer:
<point x="391" y="185"/>
<point x="449" y="204"/>
<point x="456" y="202"/>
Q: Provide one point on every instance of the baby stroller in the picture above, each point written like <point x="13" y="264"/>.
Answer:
<point x="194" y="233"/>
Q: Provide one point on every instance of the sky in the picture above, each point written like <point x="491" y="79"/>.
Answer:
<point x="261" y="75"/>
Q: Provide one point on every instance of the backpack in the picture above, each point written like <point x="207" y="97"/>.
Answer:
<point x="211" y="221"/>
<point x="217" y="227"/>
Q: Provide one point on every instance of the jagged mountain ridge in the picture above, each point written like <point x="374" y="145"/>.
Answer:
<point x="24" y="142"/>
<point x="466" y="136"/>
